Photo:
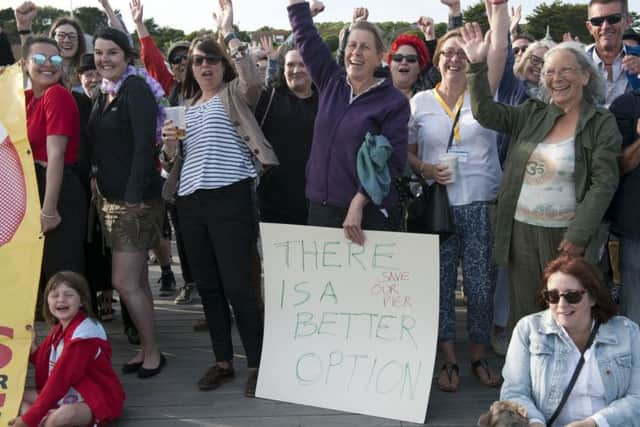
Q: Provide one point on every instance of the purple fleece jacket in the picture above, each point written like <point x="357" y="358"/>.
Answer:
<point x="340" y="127"/>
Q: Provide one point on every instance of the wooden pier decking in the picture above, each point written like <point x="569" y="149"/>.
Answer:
<point x="173" y="399"/>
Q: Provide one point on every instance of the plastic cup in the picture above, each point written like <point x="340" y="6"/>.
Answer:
<point x="176" y="115"/>
<point x="451" y="161"/>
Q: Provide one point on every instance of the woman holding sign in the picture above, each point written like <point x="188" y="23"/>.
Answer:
<point x="449" y="147"/>
<point x="353" y="103"/>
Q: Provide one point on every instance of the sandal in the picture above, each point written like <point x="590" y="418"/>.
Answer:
<point x="483" y="365"/>
<point x="447" y="372"/>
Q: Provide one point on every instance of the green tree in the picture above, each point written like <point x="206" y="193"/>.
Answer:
<point x="91" y="18"/>
<point x="561" y="18"/>
<point x="477" y="13"/>
<point x="441" y="29"/>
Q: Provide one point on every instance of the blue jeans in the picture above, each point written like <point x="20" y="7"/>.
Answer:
<point x="630" y="269"/>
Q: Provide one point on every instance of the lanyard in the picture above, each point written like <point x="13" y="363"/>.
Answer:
<point x="452" y="114"/>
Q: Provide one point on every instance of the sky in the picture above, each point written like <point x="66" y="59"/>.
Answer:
<point x="190" y="15"/>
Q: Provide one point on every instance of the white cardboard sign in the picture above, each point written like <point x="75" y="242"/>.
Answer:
<point x="349" y="327"/>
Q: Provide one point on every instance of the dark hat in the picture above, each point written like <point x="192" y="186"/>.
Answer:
<point x="630" y="34"/>
<point x="86" y="63"/>
<point x="182" y="44"/>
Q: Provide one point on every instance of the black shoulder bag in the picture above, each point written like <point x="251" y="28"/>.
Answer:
<point x="574" y="377"/>
<point x="431" y="212"/>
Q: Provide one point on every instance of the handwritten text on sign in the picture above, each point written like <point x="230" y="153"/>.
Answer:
<point x="349" y="327"/>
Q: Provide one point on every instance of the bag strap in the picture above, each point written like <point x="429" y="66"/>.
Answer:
<point x="574" y="377"/>
<point x="453" y="128"/>
<point x="266" y="111"/>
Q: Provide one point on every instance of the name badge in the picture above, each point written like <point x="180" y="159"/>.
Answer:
<point x="462" y="155"/>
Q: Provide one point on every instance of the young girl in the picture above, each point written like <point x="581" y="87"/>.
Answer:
<point x="76" y="383"/>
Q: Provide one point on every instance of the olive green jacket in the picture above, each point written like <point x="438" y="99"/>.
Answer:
<point x="597" y="144"/>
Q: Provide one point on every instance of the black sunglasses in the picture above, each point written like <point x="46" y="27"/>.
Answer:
<point x="411" y="59"/>
<point x="518" y="49"/>
<point x="211" y="59"/>
<point x="178" y="58"/>
<point x="611" y="19"/>
<point x="553" y="296"/>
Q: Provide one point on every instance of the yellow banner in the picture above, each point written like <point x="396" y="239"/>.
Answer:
<point x="20" y="242"/>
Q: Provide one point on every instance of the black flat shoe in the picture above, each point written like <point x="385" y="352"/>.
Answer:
<point x="130" y="368"/>
<point x="148" y="373"/>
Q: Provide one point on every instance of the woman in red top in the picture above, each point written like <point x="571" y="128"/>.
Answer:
<point x="53" y="128"/>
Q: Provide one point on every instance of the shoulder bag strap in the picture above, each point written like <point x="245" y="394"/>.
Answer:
<point x="574" y="377"/>
<point x="453" y="128"/>
<point x="266" y="111"/>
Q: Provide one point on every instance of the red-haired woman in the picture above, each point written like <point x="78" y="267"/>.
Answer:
<point x="410" y="64"/>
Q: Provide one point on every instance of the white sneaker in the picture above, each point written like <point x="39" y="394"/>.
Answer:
<point x="184" y="295"/>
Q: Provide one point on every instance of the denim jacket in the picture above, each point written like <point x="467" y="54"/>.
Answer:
<point x="536" y="370"/>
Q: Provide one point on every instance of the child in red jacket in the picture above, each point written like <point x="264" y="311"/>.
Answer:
<point x="75" y="380"/>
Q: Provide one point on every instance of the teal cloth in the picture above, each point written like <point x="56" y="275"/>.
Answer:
<point x="372" y="167"/>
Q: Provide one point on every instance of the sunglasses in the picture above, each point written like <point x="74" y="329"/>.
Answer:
<point x="553" y="296"/>
<point x="211" y="59"/>
<point x="411" y="58"/>
<point x="611" y="19"/>
<point x="41" y="59"/>
<point x="178" y="58"/>
<point x="519" y="49"/>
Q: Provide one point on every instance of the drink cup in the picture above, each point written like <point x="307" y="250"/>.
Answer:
<point x="451" y="160"/>
<point x="176" y="115"/>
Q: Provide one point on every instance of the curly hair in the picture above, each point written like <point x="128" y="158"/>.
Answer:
<point x="424" y="59"/>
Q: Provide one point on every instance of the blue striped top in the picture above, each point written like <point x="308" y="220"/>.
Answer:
<point x="214" y="154"/>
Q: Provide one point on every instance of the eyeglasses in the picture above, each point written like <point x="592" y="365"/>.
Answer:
<point x="519" y="49"/>
<point x="553" y="296"/>
<point x="536" y="60"/>
<point x="564" y="72"/>
<point x="178" y="58"/>
<point x="411" y="58"/>
<point x="211" y="59"/>
<point x="611" y="19"/>
<point x="61" y="35"/>
<point x="450" y="53"/>
<point x="41" y="59"/>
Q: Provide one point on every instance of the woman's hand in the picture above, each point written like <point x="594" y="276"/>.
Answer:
<point x="474" y="44"/>
<point x="169" y="137"/>
<point x="516" y="16"/>
<point x="588" y="422"/>
<point x="570" y="249"/>
<point x="425" y="24"/>
<point x="137" y="11"/>
<point x="17" y="422"/>
<point x="352" y="224"/>
<point x="442" y="174"/>
<point x="49" y="221"/>
<point x="25" y="13"/>
<point x="360" y="14"/>
<point x="226" y="16"/>
<point x="316" y="7"/>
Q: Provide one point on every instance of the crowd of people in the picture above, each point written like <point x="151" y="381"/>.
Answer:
<point x="545" y="136"/>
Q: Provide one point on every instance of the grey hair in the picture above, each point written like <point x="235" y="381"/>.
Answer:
<point x="544" y="44"/>
<point x="595" y="90"/>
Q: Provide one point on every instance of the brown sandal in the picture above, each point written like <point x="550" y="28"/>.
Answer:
<point x="483" y="364"/>
<point x="449" y="369"/>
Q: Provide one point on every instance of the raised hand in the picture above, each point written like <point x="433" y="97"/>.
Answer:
<point x="25" y="13"/>
<point x="137" y="11"/>
<point x="217" y="22"/>
<point x="516" y="16"/>
<point x="425" y="24"/>
<point x="450" y="2"/>
<point x="474" y="44"/>
<point x="105" y="4"/>
<point x="317" y="7"/>
<point x="360" y="14"/>
<point x="226" y="16"/>
<point x="266" y="43"/>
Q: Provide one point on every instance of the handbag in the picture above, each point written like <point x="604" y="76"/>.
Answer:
<point x="430" y="212"/>
<point x="574" y="377"/>
<point x="170" y="186"/>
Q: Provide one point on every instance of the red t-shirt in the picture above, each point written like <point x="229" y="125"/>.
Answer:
<point x="54" y="113"/>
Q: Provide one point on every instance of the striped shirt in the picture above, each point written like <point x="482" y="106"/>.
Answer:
<point x="214" y="154"/>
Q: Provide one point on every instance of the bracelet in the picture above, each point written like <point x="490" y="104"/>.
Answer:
<point x="24" y="32"/>
<point x="230" y="36"/>
<point x="44" y="215"/>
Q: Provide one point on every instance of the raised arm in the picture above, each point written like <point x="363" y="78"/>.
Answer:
<point x="25" y="13"/>
<point x="359" y="14"/>
<point x="455" y="14"/>
<point x="112" y="18"/>
<point x="497" y="55"/>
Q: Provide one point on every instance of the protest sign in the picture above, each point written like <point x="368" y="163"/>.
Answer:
<point x="350" y="327"/>
<point x="20" y="243"/>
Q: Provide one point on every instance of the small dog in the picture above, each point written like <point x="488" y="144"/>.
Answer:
<point x="504" y="414"/>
